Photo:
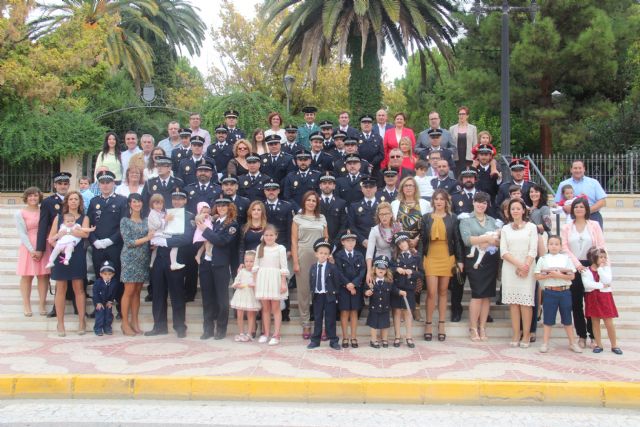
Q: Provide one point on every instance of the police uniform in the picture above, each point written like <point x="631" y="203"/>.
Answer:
<point x="462" y="202"/>
<point x="187" y="170"/>
<point x="503" y="190"/>
<point x="180" y="152"/>
<point x="305" y="130"/>
<point x="348" y="189"/>
<point x="360" y="220"/>
<point x="167" y="282"/>
<point x="281" y="217"/>
<point x="340" y="166"/>
<point x="407" y="261"/>
<point x="380" y="299"/>
<point x="335" y="213"/>
<point x="291" y="148"/>
<point x="221" y="153"/>
<point x="385" y="195"/>
<point x="50" y="208"/>
<point x="353" y="269"/>
<point x="487" y="183"/>
<point x="328" y="144"/>
<point x="233" y="134"/>
<point x="104" y="293"/>
<point x="322" y="162"/>
<point x="155" y="186"/>
<point x="279" y="166"/>
<point x="197" y="193"/>
<point x="296" y="184"/>
<point x="370" y="148"/>
<point x="215" y="275"/>
<point x="252" y="187"/>
<point x="448" y="184"/>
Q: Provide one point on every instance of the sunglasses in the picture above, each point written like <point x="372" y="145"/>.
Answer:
<point x="242" y="148"/>
<point x="395" y="157"/>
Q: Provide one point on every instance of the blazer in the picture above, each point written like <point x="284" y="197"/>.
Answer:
<point x="453" y="236"/>
<point x="597" y="237"/>
<point x="353" y="271"/>
<point x="333" y="279"/>
<point x="390" y="142"/>
<point x="472" y="139"/>
<point x="223" y="238"/>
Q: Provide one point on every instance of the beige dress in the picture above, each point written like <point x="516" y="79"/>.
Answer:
<point x="520" y="244"/>
<point x="310" y="229"/>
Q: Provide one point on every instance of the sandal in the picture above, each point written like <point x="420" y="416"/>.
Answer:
<point x="374" y="344"/>
<point x="441" y="336"/>
<point x="385" y="344"/>
<point x="483" y="334"/>
<point x="473" y="335"/>
<point x="428" y="336"/>
<point x="354" y="343"/>
<point x="396" y="342"/>
<point x="410" y="343"/>
<point x="345" y="343"/>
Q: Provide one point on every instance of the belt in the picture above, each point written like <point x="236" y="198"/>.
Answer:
<point x="557" y="288"/>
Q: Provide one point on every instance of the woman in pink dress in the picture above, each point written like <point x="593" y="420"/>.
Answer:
<point x="29" y="263"/>
<point x="392" y="137"/>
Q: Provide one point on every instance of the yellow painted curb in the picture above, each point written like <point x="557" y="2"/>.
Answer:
<point x="352" y="390"/>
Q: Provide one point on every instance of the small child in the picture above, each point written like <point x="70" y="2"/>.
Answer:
<point x="204" y="214"/>
<point x="84" y="184"/>
<point x="484" y="139"/>
<point x="423" y="181"/>
<point x="406" y="268"/>
<point x="157" y="221"/>
<point x="555" y="271"/>
<point x="379" y="294"/>
<point x="325" y="281"/>
<point x="66" y="242"/>
<point x="352" y="266"/>
<point x="515" y="192"/>
<point x="568" y="196"/>
<point x="244" y="298"/>
<point x="104" y="295"/>
<point x="491" y="249"/>
<point x="598" y="298"/>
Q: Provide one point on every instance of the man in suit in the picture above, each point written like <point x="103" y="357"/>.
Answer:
<point x="370" y="145"/>
<point x="309" y="126"/>
<point x="221" y="151"/>
<point x="325" y="281"/>
<point x="188" y="166"/>
<point x="381" y="126"/>
<point x="297" y="183"/>
<point x="320" y="160"/>
<point x="276" y="164"/>
<point x="344" y="127"/>
<point x="167" y="282"/>
<point x="348" y="186"/>
<point x="444" y="181"/>
<point x="333" y="208"/>
<point x="182" y="151"/>
<point x="230" y="123"/>
<point x="251" y="184"/>
<point x="291" y="145"/>
<point x="326" y="129"/>
<point x="517" y="178"/>
<point x="362" y="213"/>
<point x="423" y="142"/>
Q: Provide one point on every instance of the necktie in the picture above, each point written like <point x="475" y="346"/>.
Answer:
<point x="273" y="159"/>
<point x="164" y="184"/>
<point x="350" y="256"/>
<point x="272" y="206"/>
<point x="353" y="179"/>
<point x="253" y="178"/>
<point x="327" y="200"/>
<point x="319" y="279"/>
<point x="366" y="136"/>
<point x="369" y="203"/>
<point x="315" y="158"/>
<point x="470" y="196"/>
<point x="203" y="187"/>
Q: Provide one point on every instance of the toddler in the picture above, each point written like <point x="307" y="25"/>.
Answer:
<point x="491" y="249"/>
<point x="66" y="242"/>
<point x="157" y="221"/>
<point x="568" y="196"/>
<point x="423" y="181"/>
<point x="244" y="298"/>
<point x="204" y="214"/>
<point x="104" y="295"/>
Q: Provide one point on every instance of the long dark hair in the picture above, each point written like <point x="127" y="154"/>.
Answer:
<point x="105" y="145"/>
<point x="316" y="211"/>
<point x="544" y="195"/>
<point x="65" y="203"/>
<point x="138" y="197"/>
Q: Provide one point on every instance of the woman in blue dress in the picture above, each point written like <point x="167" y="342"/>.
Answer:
<point x="76" y="270"/>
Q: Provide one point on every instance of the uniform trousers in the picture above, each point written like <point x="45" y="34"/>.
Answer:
<point x="104" y="320"/>
<point x="112" y="253"/>
<point x="327" y="309"/>
<point x="190" y="271"/>
<point x="214" y="284"/>
<point x="167" y="283"/>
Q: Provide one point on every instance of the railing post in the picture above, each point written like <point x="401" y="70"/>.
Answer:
<point x="632" y="175"/>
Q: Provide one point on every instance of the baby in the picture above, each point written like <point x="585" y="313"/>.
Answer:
<point x="66" y="240"/>
<point x="204" y="214"/>
<point x="491" y="249"/>
<point x="568" y="196"/>
<point x="157" y="222"/>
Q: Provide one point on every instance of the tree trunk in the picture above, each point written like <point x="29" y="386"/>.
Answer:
<point x="365" y="86"/>
<point x="545" y="128"/>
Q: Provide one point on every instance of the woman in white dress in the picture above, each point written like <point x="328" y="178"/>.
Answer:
<point x="275" y="126"/>
<point x="518" y="249"/>
<point x="133" y="182"/>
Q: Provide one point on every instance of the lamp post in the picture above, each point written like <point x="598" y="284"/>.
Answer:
<point x="505" y="105"/>
<point x="288" y="86"/>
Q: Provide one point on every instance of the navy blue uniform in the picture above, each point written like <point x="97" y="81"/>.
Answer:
<point x="104" y="293"/>
<point x="335" y="212"/>
<point x="349" y="190"/>
<point x="461" y="203"/>
<point x="488" y="184"/>
<point x="340" y="167"/>
<point x="49" y="210"/>
<point x="380" y="304"/>
<point x="445" y="155"/>
<point x="409" y="261"/>
<point x="277" y="167"/>
<point x="324" y="303"/>
<point x="177" y="155"/>
<point x="353" y="269"/>
<point x="448" y="184"/>
<point x="352" y="133"/>
<point x="503" y="193"/>
<point x="233" y="135"/>
<point x="292" y="149"/>
<point x="155" y="186"/>
<point x="328" y="145"/>
<point x="281" y="217"/>
<point x="296" y="184"/>
<point x="253" y="188"/>
<point x="385" y="195"/>
<point x="215" y="275"/>
<point x="167" y="282"/>
<point x="321" y="162"/>
<point x="371" y="148"/>
<point x="221" y="154"/>
<point x="196" y="194"/>
<point x="187" y="170"/>
<point x="361" y="219"/>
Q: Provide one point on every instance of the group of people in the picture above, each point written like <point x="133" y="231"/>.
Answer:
<point x="344" y="216"/>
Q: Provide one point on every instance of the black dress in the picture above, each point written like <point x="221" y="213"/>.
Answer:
<point x="77" y="268"/>
<point x="461" y="164"/>
<point x="250" y="241"/>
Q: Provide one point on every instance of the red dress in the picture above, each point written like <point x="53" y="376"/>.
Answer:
<point x="599" y="304"/>
<point x="390" y="142"/>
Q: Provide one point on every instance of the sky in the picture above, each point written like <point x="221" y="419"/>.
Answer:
<point x="209" y="14"/>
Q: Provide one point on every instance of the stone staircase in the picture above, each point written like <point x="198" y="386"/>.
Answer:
<point x="622" y="227"/>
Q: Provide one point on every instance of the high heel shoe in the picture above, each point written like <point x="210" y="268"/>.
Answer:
<point x="441" y="336"/>
<point x="129" y="332"/>
<point x="428" y="336"/>
<point x="473" y="335"/>
<point x="483" y="334"/>
<point x="61" y="333"/>
<point x="82" y="329"/>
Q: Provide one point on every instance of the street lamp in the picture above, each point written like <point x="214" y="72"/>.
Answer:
<point x="505" y="107"/>
<point x="288" y="86"/>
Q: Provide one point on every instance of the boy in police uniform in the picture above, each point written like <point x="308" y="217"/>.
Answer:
<point x="104" y="296"/>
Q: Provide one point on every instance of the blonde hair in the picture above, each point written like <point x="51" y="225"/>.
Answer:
<point x="405" y="139"/>
<point x="240" y="142"/>
<point x="445" y="196"/>
<point x="268" y="227"/>
<point x="156" y="198"/>
<point x="416" y="193"/>
<point x="382" y="206"/>
<point x="251" y="254"/>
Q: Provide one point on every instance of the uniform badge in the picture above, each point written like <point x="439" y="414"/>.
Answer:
<point x="98" y="206"/>
<point x="155" y="187"/>
<point x="382" y="199"/>
<point x="246" y="183"/>
<point x="360" y="142"/>
<point x="188" y="168"/>
<point x="232" y="230"/>
<point x="295" y="183"/>
<point x="214" y="150"/>
<point x="57" y="206"/>
<point x="460" y="203"/>
<point x="191" y="193"/>
<point x="264" y="160"/>
<point x="360" y="209"/>
<point x="193" y="223"/>
<point x="343" y="170"/>
<point x="179" y="155"/>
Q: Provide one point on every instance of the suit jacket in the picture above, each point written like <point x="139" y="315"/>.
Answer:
<point x="221" y="156"/>
<point x="409" y="262"/>
<point x="352" y="270"/>
<point x="445" y="154"/>
<point x="295" y="186"/>
<point x="253" y="190"/>
<point x="390" y="142"/>
<point x="380" y="301"/>
<point x="49" y="209"/>
<point x="177" y="155"/>
<point x="182" y="241"/>
<point x="282" y="217"/>
<point x="347" y="190"/>
<point x="332" y="280"/>
<point x="450" y="185"/>
<point x="361" y="219"/>
<point x="503" y="193"/>
<point x="324" y="162"/>
<point x="278" y="170"/>
<point x="223" y="238"/>
<point x="371" y="149"/>
<point x="105" y="215"/>
<point x="103" y="292"/>
<point x="336" y="215"/>
<point x="195" y="195"/>
<point x="303" y="134"/>
<point x="453" y="236"/>
<point x="154" y="186"/>
<point x="376" y="129"/>
<point x="351" y="132"/>
<point x="187" y="169"/>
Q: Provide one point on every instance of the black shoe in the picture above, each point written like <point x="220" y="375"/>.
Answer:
<point x="92" y="315"/>
<point x="456" y="316"/>
<point x="108" y="332"/>
<point x="489" y="319"/>
<point x="154" y="332"/>
<point x="182" y="333"/>
<point x="52" y="313"/>
<point x="206" y="336"/>
<point x="335" y="346"/>
<point x="148" y="298"/>
<point x="220" y="335"/>
<point x="190" y="300"/>
<point x="286" y="318"/>
<point x="118" y="316"/>
<point x="313" y="345"/>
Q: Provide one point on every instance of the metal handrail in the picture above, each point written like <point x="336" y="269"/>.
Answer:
<point x="539" y="172"/>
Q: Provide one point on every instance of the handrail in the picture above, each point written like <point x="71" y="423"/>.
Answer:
<point x="539" y="172"/>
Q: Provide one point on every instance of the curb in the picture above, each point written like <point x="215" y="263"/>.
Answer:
<point x="356" y="390"/>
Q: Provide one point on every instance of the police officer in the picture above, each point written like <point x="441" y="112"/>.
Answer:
<point x="276" y="164"/>
<point x="340" y="166"/>
<point x="338" y="151"/>
<point x="164" y="183"/>
<point x="215" y="273"/>
<point x="305" y="130"/>
<point x="370" y="145"/>
<point x="328" y="141"/>
<point x="279" y="213"/>
<point x="105" y="212"/>
<point x="320" y="160"/>
<point x="486" y="182"/>
<point x="50" y="208"/>
<point x="362" y="213"/>
<point x="435" y="138"/>
<point x="389" y="192"/>
<point x="291" y="145"/>
<point x="182" y="151"/>
<point x="188" y="166"/>
<point x="230" y="191"/>
<point x="299" y="182"/>
<point x="203" y="190"/>
<point x="221" y="151"/>
<point x="444" y="181"/>
<point x="167" y="282"/>
<point x="333" y="208"/>
<point x="517" y="167"/>
<point x="251" y="184"/>
<point x="348" y="186"/>
<point x="462" y="202"/>
<point x="230" y="122"/>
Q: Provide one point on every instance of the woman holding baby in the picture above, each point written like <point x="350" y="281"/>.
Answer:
<point x="480" y="232"/>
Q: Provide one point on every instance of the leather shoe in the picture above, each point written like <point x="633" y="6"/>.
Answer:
<point x="52" y="313"/>
<point x="206" y="336"/>
<point x="148" y="298"/>
<point x="456" y="316"/>
<point x="154" y="332"/>
<point x="220" y="335"/>
<point x="335" y="346"/>
<point x="489" y="319"/>
<point x="182" y="333"/>
<point x="313" y="345"/>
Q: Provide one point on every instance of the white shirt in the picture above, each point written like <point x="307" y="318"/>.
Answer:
<point x="126" y="156"/>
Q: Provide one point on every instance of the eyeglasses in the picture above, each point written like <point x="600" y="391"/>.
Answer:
<point x="395" y="157"/>
<point x="462" y="114"/>
<point x="242" y="148"/>
<point x="408" y="185"/>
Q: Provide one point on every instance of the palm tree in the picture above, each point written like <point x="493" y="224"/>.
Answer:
<point x="137" y="26"/>
<point x="361" y="29"/>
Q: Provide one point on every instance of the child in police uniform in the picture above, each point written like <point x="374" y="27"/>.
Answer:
<point x="406" y="269"/>
<point x="104" y="294"/>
